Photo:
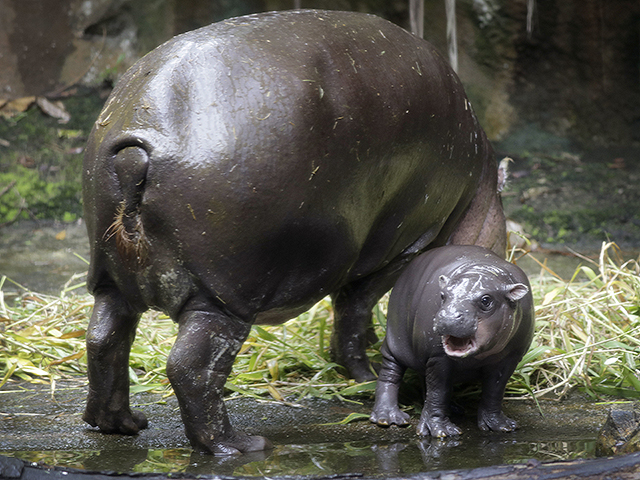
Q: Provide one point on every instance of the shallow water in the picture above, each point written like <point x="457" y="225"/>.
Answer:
<point x="321" y="458"/>
<point x="38" y="426"/>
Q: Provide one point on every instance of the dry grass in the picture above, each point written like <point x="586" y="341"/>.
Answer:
<point x="586" y="337"/>
<point x="587" y="332"/>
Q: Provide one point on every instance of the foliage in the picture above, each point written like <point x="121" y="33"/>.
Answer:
<point x="586" y="337"/>
<point x="35" y="195"/>
<point x="41" y="162"/>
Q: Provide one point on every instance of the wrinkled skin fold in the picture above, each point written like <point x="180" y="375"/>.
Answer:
<point x="457" y="314"/>
<point x="242" y="172"/>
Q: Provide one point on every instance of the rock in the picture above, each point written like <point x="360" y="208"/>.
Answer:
<point x="621" y="431"/>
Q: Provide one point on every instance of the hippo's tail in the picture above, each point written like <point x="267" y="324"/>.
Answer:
<point x="131" y="165"/>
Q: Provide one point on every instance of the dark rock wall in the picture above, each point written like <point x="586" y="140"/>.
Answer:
<point x="576" y="74"/>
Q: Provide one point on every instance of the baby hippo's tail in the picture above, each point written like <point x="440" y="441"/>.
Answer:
<point x="131" y="165"/>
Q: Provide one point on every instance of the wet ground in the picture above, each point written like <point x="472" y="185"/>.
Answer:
<point x="37" y="424"/>
<point x="42" y="256"/>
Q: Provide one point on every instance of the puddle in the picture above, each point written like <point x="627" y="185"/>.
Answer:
<point x="321" y="458"/>
<point x="38" y="427"/>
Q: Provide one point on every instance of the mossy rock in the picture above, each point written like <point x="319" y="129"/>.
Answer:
<point x="41" y="161"/>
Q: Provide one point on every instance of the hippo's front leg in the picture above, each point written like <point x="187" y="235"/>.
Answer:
<point x="386" y="410"/>
<point x="434" y="419"/>
<point x="198" y="366"/>
<point x="110" y="334"/>
<point x="494" y="382"/>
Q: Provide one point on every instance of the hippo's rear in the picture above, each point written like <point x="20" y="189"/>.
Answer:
<point x="241" y="172"/>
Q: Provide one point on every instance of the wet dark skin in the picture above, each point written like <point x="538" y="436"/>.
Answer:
<point x="244" y="171"/>
<point x="456" y="314"/>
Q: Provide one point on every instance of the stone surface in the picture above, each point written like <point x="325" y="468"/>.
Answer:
<point x="570" y="66"/>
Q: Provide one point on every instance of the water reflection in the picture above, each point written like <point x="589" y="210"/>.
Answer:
<point x="419" y="455"/>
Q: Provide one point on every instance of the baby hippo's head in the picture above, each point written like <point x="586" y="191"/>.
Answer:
<point x="480" y="311"/>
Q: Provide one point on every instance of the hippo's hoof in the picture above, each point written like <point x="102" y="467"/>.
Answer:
<point x="439" y="428"/>
<point x="235" y="444"/>
<point x="496" y="422"/>
<point x="128" y="422"/>
<point x="389" y="416"/>
<point x="360" y="369"/>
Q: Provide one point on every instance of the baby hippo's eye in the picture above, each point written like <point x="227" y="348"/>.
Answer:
<point x="486" y="302"/>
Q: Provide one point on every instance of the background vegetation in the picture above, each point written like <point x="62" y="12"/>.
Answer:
<point x="41" y="161"/>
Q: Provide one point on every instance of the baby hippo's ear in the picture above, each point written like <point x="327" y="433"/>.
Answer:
<point x="443" y="281"/>
<point x="515" y="291"/>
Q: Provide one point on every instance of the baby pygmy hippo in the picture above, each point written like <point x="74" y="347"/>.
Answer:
<point x="456" y="314"/>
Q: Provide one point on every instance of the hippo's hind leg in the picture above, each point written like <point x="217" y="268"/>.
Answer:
<point x="110" y="334"/>
<point x="198" y="366"/>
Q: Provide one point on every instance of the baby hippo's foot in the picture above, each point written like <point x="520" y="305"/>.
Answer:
<point x="439" y="427"/>
<point x="126" y="421"/>
<point x="385" y="415"/>
<point x="496" y="422"/>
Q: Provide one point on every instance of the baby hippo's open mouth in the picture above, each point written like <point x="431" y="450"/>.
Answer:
<point x="459" y="347"/>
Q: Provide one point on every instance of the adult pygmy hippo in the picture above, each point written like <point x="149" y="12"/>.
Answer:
<point x="241" y="172"/>
<point x="456" y="314"/>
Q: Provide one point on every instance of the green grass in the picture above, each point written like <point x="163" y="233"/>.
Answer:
<point x="587" y="337"/>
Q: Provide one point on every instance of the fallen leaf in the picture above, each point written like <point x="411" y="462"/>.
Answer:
<point x="352" y="417"/>
<point x="54" y="109"/>
<point x="61" y="235"/>
<point x="273" y="391"/>
<point x="74" y="334"/>
<point x="618" y="163"/>
<point x="27" y="162"/>
<point x="75" y="356"/>
<point x="14" y="107"/>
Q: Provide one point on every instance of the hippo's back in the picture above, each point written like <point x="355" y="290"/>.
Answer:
<point x="284" y="155"/>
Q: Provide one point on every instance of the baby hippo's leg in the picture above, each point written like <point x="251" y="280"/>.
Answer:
<point x="494" y="382"/>
<point x="386" y="410"/>
<point x="434" y="420"/>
